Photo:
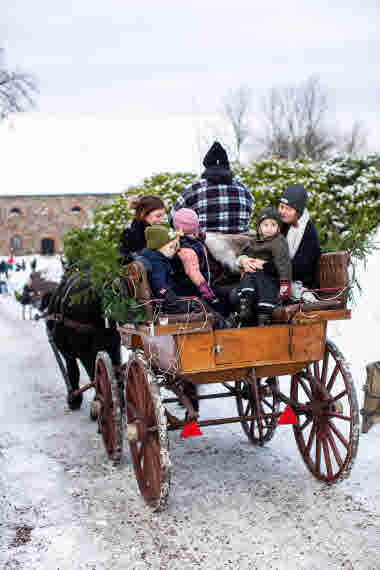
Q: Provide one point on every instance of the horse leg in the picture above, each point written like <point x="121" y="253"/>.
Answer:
<point x="187" y="393"/>
<point x="73" y="373"/>
<point x="191" y="391"/>
<point x="108" y="340"/>
<point x="88" y="361"/>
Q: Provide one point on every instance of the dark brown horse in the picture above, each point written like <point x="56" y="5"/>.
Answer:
<point x="77" y="330"/>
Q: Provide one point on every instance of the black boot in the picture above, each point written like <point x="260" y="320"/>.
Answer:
<point x="245" y="308"/>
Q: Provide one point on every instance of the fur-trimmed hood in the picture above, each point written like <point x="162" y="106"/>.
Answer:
<point x="226" y="248"/>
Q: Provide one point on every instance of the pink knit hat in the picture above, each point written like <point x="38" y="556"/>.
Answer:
<point x="186" y="220"/>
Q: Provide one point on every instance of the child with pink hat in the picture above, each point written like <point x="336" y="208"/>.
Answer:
<point x="191" y="269"/>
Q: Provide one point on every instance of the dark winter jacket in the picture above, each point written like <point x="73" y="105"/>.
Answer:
<point x="305" y="261"/>
<point x="183" y="284"/>
<point x="161" y="275"/>
<point x="274" y="250"/>
<point x="132" y="239"/>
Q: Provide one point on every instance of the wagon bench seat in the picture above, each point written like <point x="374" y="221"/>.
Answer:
<point x="136" y="274"/>
<point x="332" y="276"/>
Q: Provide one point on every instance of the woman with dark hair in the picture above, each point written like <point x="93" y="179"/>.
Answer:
<point x="150" y="210"/>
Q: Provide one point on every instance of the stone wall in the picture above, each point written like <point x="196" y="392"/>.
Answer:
<point x="28" y="224"/>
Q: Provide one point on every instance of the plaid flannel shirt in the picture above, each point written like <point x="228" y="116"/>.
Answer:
<point x="220" y="207"/>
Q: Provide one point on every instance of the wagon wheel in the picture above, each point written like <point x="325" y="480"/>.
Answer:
<point x="110" y="413"/>
<point x="328" y="432"/>
<point x="147" y="433"/>
<point x="258" y="431"/>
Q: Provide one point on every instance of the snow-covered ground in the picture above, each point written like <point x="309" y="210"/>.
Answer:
<point x="232" y="505"/>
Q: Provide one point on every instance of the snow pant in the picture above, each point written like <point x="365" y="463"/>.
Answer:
<point x="261" y="289"/>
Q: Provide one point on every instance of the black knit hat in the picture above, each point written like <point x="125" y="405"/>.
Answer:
<point x="295" y="196"/>
<point x="216" y="156"/>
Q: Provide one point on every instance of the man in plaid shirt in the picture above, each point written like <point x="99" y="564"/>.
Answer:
<point x="222" y="203"/>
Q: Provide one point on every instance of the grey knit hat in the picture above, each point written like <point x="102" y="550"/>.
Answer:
<point x="268" y="213"/>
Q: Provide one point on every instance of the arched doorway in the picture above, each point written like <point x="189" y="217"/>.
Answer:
<point x="47" y="246"/>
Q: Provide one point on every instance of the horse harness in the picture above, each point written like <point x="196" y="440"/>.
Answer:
<point x="58" y="315"/>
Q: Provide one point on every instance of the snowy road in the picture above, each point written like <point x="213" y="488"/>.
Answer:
<point x="231" y="505"/>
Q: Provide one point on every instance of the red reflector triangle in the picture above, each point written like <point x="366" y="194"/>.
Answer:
<point x="287" y="417"/>
<point x="190" y="430"/>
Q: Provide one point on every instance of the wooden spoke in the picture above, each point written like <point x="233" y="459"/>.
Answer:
<point x="149" y="452"/>
<point x="318" y="453"/>
<point x="305" y="388"/>
<point x="270" y="405"/>
<point x="110" y="416"/>
<point x="305" y="424"/>
<point x="316" y="370"/>
<point x="328" y="437"/>
<point x="339" y="416"/>
<point x="333" y="377"/>
<point x="324" y="369"/>
<point x="258" y="431"/>
<point x="339" y="435"/>
<point x="336" y="453"/>
<point x="338" y="397"/>
<point x="326" y="454"/>
<point x="311" y="438"/>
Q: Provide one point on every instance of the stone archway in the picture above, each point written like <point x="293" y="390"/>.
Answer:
<point x="47" y="246"/>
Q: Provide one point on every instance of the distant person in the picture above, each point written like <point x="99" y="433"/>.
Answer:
<point x="4" y="268"/>
<point x="23" y="265"/>
<point x="27" y="293"/>
<point x="223" y="203"/>
<point x="149" y="210"/>
<point x="33" y="264"/>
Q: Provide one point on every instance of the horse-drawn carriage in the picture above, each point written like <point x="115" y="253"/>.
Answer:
<point x="173" y="352"/>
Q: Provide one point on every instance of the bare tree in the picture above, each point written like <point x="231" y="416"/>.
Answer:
<point x="16" y="89"/>
<point x="295" y="121"/>
<point x="235" y="111"/>
<point x="355" y="140"/>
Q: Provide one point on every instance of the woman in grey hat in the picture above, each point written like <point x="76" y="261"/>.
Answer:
<point x="303" y="241"/>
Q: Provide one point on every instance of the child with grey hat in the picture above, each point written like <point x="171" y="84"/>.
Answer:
<point x="260" y="291"/>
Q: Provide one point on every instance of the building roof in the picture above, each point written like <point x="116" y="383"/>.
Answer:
<point x="76" y="195"/>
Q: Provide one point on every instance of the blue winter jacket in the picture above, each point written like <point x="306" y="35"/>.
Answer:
<point x="161" y="275"/>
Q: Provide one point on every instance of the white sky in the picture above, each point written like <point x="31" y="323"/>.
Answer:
<point x="127" y="88"/>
